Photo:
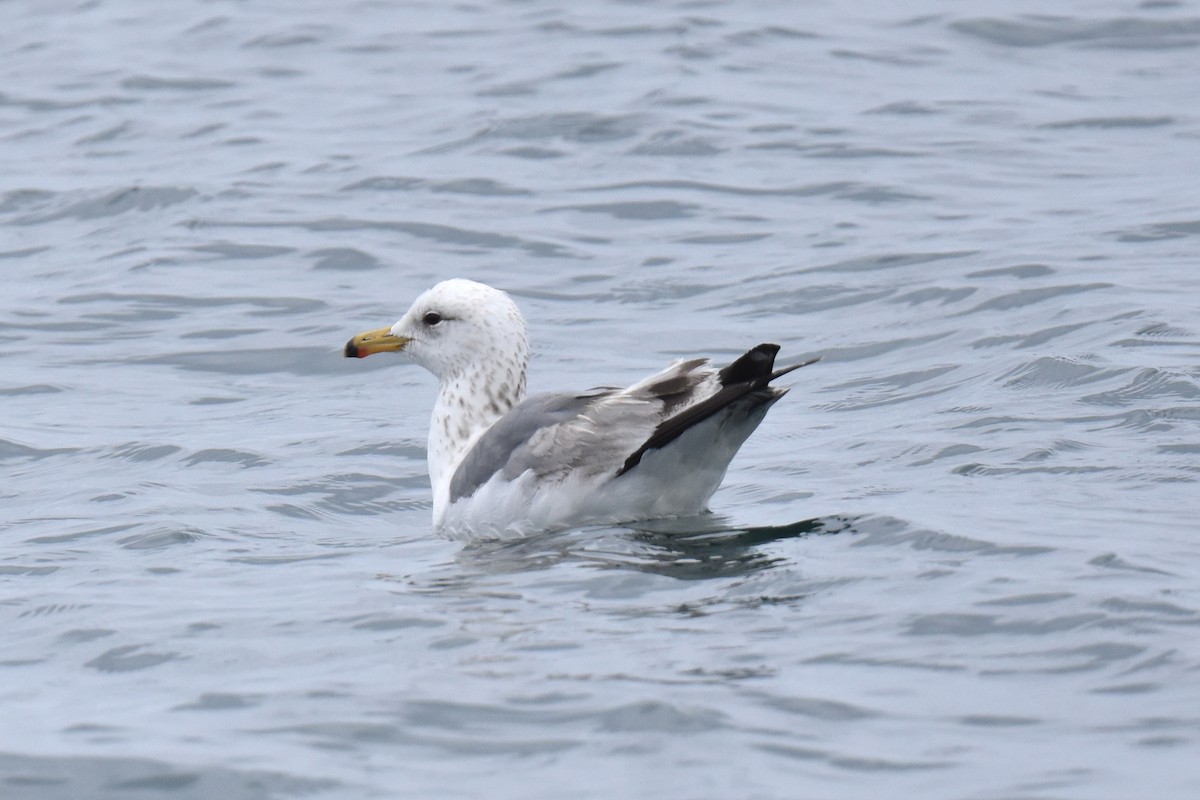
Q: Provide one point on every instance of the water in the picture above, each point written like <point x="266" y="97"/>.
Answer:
<point x="959" y="560"/>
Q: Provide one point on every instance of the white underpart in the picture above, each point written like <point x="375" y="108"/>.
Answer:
<point x="479" y="354"/>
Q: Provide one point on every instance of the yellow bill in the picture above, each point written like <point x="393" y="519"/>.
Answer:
<point x="371" y="342"/>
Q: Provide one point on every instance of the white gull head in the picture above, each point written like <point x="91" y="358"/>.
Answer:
<point x="462" y="328"/>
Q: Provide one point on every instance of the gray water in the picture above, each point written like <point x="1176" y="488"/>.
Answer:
<point x="959" y="560"/>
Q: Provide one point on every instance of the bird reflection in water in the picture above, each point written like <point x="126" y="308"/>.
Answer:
<point x="691" y="548"/>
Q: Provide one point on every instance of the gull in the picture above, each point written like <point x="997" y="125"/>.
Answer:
<point x="502" y="464"/>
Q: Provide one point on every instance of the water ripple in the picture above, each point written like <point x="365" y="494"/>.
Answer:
<point x="1125" y="33"/>
<point x="968" y="531"/>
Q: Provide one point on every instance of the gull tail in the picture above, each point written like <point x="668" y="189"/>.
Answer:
<point x="745" y="389"/>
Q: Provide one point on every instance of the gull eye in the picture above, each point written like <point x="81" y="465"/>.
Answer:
<point x="432" y="318"/>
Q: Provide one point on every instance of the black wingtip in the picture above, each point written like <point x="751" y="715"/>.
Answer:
<point x="752" y="367"/>
<point x="756" y="366"/>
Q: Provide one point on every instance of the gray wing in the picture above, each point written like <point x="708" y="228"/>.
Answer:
<point x="592" y="433"/>
<point x="607" y="431"/>
<point x="507" y="445"/>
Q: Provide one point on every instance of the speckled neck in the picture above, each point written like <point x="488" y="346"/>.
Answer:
<point x="468" y="403"/>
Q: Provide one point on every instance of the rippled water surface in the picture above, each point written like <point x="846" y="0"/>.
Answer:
<point x="959" y="560"/>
